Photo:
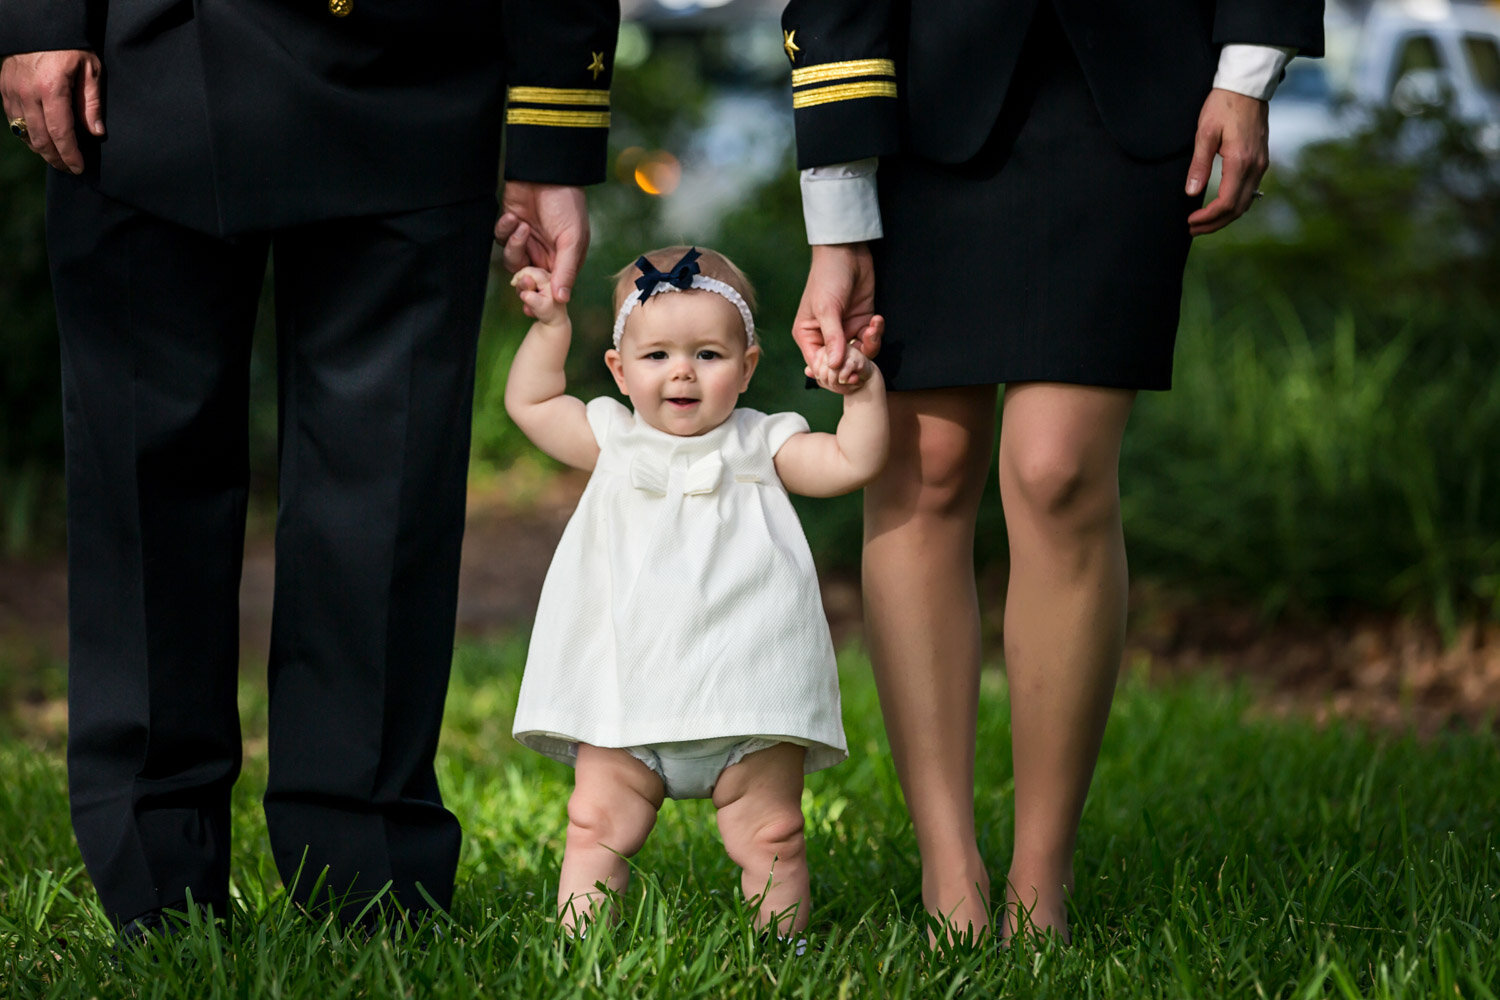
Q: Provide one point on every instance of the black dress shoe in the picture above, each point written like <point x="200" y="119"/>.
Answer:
<point x="136" y="934"/>
<point x="165" y="922"/>
<point x="160" y="922"/>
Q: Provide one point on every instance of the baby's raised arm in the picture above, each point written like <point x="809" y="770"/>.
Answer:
<point x="827" y="465"/>
<point x="535" y="391"/>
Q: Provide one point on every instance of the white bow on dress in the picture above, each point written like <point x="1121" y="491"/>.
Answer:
<point x="650" y="474"/>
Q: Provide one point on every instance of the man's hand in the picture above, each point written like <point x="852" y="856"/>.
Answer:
<point x="1233" y="126"/>
<point x="838" y="305"/>
<point x="50" y="91"/>
<point x="546" y="226"/>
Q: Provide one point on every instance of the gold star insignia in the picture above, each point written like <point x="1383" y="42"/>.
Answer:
<point x="790" y="44"/>
<point x="597" y="66"/>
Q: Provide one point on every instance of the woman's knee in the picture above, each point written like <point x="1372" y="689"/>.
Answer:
<point x="1060" y="453"/>
<point x="1055" y="482"/>
<point x="938" y="464"/>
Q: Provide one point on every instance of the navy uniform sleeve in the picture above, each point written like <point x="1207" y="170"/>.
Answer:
<point x="1292" y="24"/>
<point x="43" y="25"/>
<point x="559" y="61"/>
<point x="843" y="79"/>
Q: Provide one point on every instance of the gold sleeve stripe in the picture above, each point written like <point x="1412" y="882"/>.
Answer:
<point x="562" y="119"/>
<point x="843" y="92"/>
<point x="558" y="95"/>
<point x="823" y="72"/>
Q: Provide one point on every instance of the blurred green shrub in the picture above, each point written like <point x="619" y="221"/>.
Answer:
<point x="1306" y="473"/>
<point x="1333" y="436"/>
<point x="30" y="383"/>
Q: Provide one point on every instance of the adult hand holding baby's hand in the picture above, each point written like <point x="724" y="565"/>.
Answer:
<point x="544" y="225"/>
<point x="838" y="304"/>
<point x="534" y="286"/>
<point x="851" y="374"/>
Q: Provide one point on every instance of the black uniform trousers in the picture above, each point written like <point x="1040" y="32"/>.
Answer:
<point x="377" y="321"/>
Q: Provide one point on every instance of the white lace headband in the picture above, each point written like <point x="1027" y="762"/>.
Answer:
<point x="683" y="276"/>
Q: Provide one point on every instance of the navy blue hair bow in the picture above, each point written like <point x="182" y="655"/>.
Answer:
<point x="680" y="274"/>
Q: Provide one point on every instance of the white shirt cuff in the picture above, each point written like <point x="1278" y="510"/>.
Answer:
<point x="1252" y="70"/>
<point x="840" y="203"/>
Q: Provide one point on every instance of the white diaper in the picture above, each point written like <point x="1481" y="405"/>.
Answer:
<point x="691" y="768"/>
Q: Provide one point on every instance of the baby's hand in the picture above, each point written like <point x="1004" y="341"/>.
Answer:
<point x="534" y="286"/>
<point x="848" y="377"/>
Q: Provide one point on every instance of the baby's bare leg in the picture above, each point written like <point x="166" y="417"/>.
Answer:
<point x="612" y="809"/>
<point x="760" y="818"/>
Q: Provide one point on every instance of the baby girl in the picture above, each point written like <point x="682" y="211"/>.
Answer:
<point x="680" y="648"/>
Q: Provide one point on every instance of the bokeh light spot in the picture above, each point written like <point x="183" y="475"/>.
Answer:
<point x="658" y="173"/>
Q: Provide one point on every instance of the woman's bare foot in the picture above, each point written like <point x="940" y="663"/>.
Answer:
<point x="1035" y="914"/>
<point x="962" y="905"/>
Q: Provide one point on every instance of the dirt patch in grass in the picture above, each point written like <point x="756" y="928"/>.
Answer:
<point x="1391" y="671"/>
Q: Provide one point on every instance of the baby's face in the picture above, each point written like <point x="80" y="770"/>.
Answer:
<point x="683" y="361"/>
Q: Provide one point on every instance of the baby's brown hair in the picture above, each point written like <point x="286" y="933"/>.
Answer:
<point x="711" y="264"/>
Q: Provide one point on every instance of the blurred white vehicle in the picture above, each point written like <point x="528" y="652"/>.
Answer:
<point x="1410" y="56"/>
<point x="1305" y="109"/>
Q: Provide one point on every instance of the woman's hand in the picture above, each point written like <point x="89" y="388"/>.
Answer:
<point x="1232" y="126"/>
<point x="838" y="304"/>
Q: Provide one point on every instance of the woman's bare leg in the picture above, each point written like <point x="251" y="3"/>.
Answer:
<point x="922" y="626"/>
<point x="1064" y="621"/>
<point x="759" y="801"/>
<point x="613" y="807"/>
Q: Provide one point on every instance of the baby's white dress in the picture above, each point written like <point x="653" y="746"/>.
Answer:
<point x="682" y="603"/>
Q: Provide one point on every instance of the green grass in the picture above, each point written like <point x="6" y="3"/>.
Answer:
<point x="1222" y="854"/>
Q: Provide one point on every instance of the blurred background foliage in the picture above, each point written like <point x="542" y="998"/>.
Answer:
<point x="1332" y="439"/>
<point x="1333" y="436"/>
<point x="30" y="380"/>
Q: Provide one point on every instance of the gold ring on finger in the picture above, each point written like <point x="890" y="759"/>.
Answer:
<point x="18" y="128"/>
